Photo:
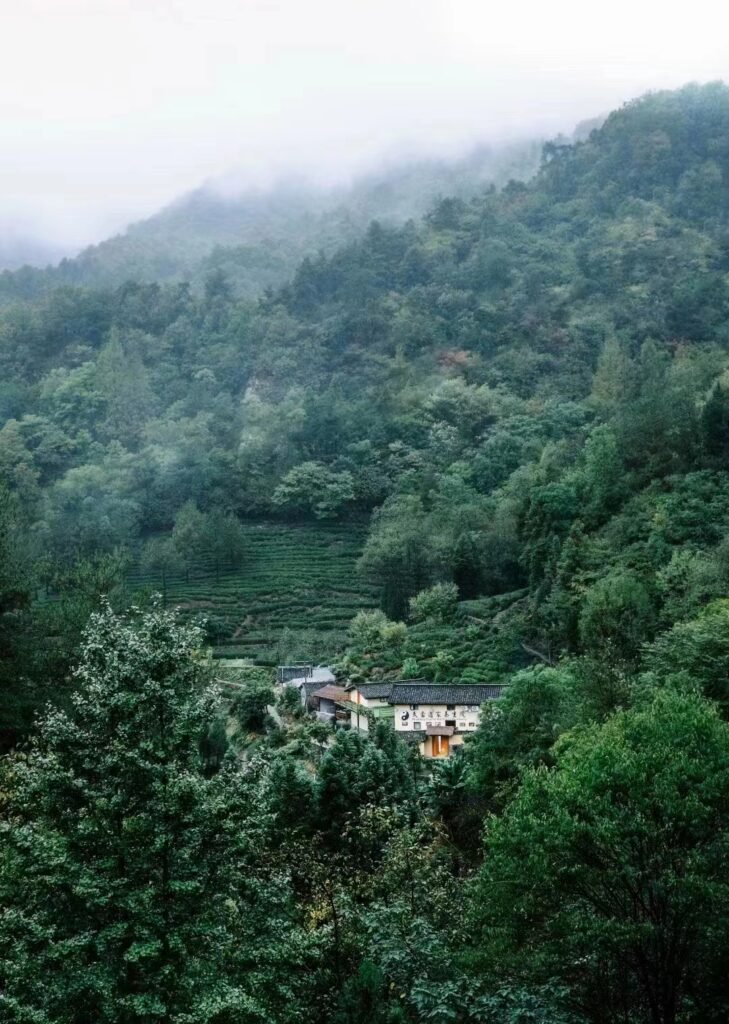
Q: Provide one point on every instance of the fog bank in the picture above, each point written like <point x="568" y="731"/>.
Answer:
<point x="110" y="110"/>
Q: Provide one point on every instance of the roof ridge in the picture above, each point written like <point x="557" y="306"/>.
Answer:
<point x="424" y="682"/>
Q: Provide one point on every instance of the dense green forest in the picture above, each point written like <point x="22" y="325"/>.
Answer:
<point x="513" y="411"/>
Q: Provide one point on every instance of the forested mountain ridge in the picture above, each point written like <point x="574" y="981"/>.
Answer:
<point x="527" y="388"/>
<point x="524" y="399"/>
<point x="258" y="236"/>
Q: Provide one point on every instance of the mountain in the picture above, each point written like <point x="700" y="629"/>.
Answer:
<point x="525" y="392"/>
<point x="259" y="237"/>
<point x="506" y="423"/>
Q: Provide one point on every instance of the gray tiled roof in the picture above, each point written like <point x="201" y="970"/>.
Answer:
<point x="375" y="690"/>
<point x="443" y="693"/>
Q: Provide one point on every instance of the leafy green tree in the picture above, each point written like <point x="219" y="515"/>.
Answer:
<point x="374" y="639"/>
<point x="17" y="695"/>
<point x="313" y="489"/>
<point x="290" y="796"/>
<point x="357" y="773"/>
<point x="17" y="466"/>
<point x="715" y="421"/>
<point x="443" y="662"/>
<point x="364" y="998"/>
<point x="660" y="426"/>
<point x="519" y="730"/>
<point x="613" y="377"/>
<point x="690" y="581"/>
<point x="410" y="928"/>
<point x="109" y="833"/>
<point x="216" y="536"/>
<point x="438" y="604"/>
<point x="122" y="379"/>
<point x="605" y="874"/>
<point x="698" y="649"/>
<point x="604" y="475"/>
<point x="550" y="512"/>
<point x="396" y="555"/>
<point x="410" y="668"/>
<point x="71" y="397"/>
<point x="94" y="508"/>
<point x="223" y="539"/>
<point x="365" y="629"/>
<point x="252" y="700"/>
<point x="188" y="534"/>
<point x="160" y="558"/>
<point x="617" y="610"/>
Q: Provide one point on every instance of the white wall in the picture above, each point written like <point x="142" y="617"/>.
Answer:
<point x="361" y="721"/>
<point x="466" y="717"/>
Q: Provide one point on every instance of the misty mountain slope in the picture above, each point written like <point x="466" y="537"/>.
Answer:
<point x="264" y="234"/>
<point x="528" y="391"/>
<point x="18" y="250"/>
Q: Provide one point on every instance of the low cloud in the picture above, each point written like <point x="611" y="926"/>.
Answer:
<point x="110" y="110"/>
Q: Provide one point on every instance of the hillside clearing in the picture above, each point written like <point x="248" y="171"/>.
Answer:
<point x="292" y="597"/>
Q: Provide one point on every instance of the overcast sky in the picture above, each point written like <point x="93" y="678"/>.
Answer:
<point x="111" y="108"/>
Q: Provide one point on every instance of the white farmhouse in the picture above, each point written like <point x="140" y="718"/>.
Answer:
<point x="439" y="716"/>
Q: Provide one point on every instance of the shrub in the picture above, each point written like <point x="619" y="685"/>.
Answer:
<point x="437" y="604"/>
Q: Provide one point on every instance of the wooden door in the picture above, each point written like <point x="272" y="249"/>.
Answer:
<point x="439" y="746"/>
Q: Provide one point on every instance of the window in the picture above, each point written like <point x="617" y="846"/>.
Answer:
<point x="471" y="725"/>
<point x="417" y="725"/>
<point x="461" y="725"/>
<point x="451" y="721"/>
<point x="450" y="707"/>
<point x="414" y="707"/>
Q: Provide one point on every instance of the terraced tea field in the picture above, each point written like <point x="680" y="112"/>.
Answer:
<point x="290" y="600"/>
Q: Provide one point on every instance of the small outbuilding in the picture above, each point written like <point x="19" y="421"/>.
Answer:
<point x="329" y="703"/>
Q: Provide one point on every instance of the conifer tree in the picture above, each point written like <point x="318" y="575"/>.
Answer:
<point x="109" y="871"/>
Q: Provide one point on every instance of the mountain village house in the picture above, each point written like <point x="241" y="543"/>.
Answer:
<point x="436" y="716"/>
<point x="439" y="716"/>
<point x="367" y="703"/>
<point x="306" y="679"/>
<point x="328" y="703"/>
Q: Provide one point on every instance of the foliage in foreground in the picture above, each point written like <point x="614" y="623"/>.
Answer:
<point x="128" y="877"/>
<point x="327" y="876"/>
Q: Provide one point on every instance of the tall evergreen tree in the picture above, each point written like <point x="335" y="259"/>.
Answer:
<point x="109" y="877"/>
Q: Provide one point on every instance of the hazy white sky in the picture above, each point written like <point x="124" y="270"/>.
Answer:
<point x="110" y="108"/>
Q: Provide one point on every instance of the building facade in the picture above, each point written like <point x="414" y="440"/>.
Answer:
<point x="367" y="703"/>
<point x="306" y="679"/>
<point x="435" y="716"/>
<point x="439" y="716"/>
<point x="328" y="702"/>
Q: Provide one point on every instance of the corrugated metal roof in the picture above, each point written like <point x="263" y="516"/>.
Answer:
<point x="443" y="693"/>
